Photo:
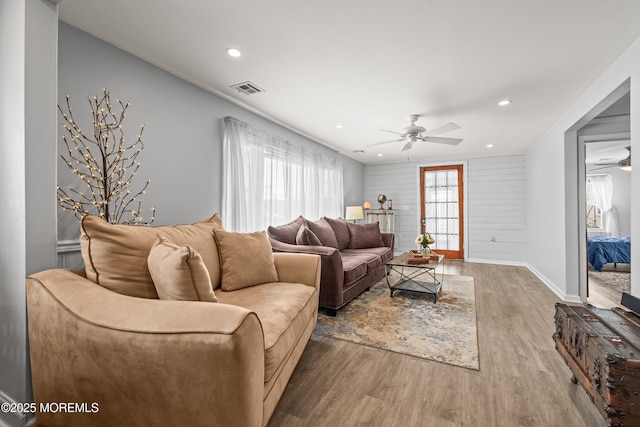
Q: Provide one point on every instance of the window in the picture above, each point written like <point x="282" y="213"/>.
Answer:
<point x="594" y="214"/>
<point x="269" y="181"/>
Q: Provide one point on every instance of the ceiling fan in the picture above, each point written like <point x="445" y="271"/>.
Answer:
<point x="624" y="164"/>
<point x="413" y="133"/>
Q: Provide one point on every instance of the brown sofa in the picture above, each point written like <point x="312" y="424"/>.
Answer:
<point x="353" y="255"/>
<point x="137" y="360"/>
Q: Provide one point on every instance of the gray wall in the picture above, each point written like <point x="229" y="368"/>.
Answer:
<point x="183" y="150"/>
<point x="27" y="179"/>
<point x="495" y="205"/>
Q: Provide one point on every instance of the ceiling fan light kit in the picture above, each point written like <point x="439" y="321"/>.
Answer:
<point x="625" y="164"/>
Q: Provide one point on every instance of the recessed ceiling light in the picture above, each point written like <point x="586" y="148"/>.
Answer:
<point x="340" y="126"/>
<point x="489" y="145"/>
<point x="504" y="102"/>
<point x="379" y="154"/>
<point x="234" y="52"/>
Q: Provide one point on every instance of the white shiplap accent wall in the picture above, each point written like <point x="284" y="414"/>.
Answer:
<point x="495" y="205"/>
<point x="399" y="182"/>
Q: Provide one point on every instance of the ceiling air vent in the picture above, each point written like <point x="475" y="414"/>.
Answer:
<point x="247" y="88"/>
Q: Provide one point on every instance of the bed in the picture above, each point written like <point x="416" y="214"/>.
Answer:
<point x="602" y="250"/>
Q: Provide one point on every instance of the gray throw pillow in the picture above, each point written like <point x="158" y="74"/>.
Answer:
<point x="341" y="231"/>
<point x="323" y="230"/>
<point x="287" y="233"/>
<point x="306" y="237"/>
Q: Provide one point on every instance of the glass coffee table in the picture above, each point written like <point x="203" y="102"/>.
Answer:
<point x="415" y="274"/>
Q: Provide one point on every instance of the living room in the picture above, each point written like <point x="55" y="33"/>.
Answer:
<point x="183" y="151"/>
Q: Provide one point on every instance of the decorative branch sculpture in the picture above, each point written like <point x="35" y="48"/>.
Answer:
<point x="105" y="164"/>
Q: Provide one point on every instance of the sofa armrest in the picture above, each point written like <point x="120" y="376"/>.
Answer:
<point x="332" y="274"/>
<point x="142" y="361"/>
<point x="388" y="239"/>
<point x="298" y="268"/>
<point x="278" y="246"/>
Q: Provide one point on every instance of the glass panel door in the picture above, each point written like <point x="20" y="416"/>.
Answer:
<point x="441" y="212"/>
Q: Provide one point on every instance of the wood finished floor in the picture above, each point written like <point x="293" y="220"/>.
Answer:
<point x="522" y="381"/>
<point x="602" y="296"/>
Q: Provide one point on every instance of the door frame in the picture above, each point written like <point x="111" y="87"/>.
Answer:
<point x="465" y="195"/>
<point x="607" y="129"/>
<point x="575" y="200"/>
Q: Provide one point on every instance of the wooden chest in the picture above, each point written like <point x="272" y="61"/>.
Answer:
<point x="602" y="349"/>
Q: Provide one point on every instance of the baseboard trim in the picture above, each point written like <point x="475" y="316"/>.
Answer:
<point x="556" y="290"/>
<point x="22" y="419"/>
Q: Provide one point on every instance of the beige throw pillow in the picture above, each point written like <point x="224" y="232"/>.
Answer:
<point x="179" y="273"/>
<point x="115" y="255"/>
<point x="246" y="259"/>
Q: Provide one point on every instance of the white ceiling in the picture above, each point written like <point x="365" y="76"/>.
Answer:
<point x="369" y="64"/>
<point x="606" y="152"/>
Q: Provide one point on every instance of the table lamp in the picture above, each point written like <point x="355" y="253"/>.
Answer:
<point x="353" y="213"/>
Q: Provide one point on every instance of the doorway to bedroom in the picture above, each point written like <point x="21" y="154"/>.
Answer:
<point x="607" y="198"/>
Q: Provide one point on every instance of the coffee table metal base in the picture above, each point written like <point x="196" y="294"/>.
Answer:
<point x="409" y="275"/>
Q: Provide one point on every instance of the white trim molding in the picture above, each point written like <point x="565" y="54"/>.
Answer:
<point x="556" y="290"/>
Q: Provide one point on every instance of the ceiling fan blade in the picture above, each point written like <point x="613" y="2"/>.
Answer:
<point x="603" y="167"/>
<point x="441" y="140"/>
<point x="442" y="129"/>
<point x="383" y="142"/>
<point x="408" y="145"/>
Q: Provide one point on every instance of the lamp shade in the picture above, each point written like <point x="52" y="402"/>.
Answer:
<point x="353" y="213"/>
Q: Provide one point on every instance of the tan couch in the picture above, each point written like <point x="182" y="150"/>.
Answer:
<point x="142" y="361"/>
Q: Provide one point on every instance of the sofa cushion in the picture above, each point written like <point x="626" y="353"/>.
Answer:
<point x="323" y="230"/>
<point x="284" y="310"/>
<point x="115" y="255"/>
<point x="370" y="258"/>
<point x="341" y="231"/>
<point x="246" y="259"/>
<point x="353" y="266"/>
<point x="386" y="253"/>
<point x="179" y="273"/>
<point x="306" y="237"/>
<point x="365" y="235"/>
<point x="287" y="233"/>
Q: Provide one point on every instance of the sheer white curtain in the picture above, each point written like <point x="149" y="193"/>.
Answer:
<point x="269" y="181"/>
<point x="602" y="192"/>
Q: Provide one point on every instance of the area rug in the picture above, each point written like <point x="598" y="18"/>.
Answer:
<point x="410" y="323"/>
<point x="619" y="281"/>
